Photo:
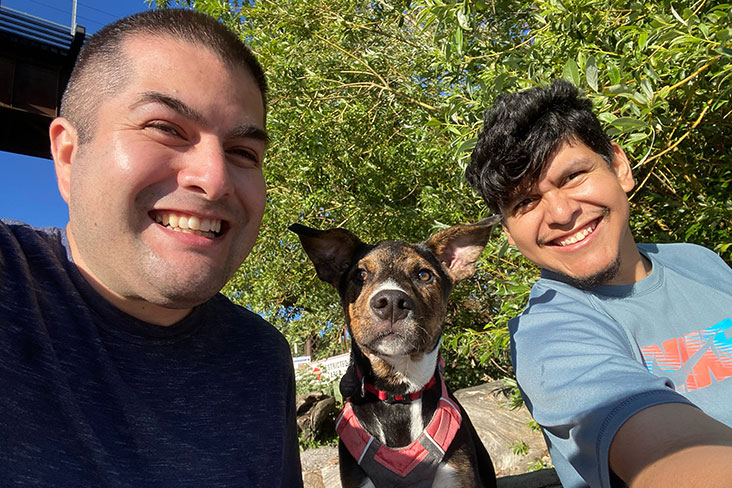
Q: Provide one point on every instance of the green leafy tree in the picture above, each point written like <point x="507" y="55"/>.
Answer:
<point x="376" y="105"/>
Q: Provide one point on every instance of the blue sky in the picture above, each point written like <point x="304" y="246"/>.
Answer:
<point x="30" y="193"/>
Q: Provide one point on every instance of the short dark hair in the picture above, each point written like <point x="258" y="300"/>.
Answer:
<point x="522" y="131"/>
<point x="102" y="68"/>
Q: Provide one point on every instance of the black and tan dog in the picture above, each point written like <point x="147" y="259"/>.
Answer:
<point x="400" y="426"/>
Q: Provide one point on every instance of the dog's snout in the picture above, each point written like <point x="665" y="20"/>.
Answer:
<point x="391" y="304"/>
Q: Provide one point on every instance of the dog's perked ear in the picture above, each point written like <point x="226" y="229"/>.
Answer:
<point x="331" y="251"/>
<point x="460" y="246"/>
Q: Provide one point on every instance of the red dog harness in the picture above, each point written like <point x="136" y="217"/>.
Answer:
<point x="414" y="465"/>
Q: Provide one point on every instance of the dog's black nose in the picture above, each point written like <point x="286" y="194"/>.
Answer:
<point x="391" y="304"/>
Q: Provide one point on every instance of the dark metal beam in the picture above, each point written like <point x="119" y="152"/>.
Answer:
<point x="36" y="59"/>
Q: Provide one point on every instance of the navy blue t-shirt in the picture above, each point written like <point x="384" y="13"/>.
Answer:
<point x="91" y="396"/>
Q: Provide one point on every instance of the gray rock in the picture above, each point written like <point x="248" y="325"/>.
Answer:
<point x="503" y="429"/>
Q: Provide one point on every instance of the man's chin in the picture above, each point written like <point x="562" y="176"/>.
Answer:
<point x="180" y="290"/>
<point x="600" y="278"/>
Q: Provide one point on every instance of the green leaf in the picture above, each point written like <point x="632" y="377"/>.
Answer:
<point x="628" y="123"/>
<point x="503" y="249"/>
<point x="663" y="92"/>
<point x="607" y="117"/>
<point x="591" y="73"/>
<point x="571" y="72"/>
<point x="647" y="88"/>
<point x="613" y="73"/>
<point x="499" y="82"/>
<point x="458" y="43"/>
<point x="676" y="14"/>
<point x="642" y="40"/>
<point x="463" y="18"/>
<point x="467" y="145"/>
<point x="641" y="98"/>
<point x="619" y="90"/>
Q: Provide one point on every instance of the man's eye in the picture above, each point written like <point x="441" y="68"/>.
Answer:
<point x="524" y="205"/>
<point x="247" y="157"/>
<point x="166" y="128"/>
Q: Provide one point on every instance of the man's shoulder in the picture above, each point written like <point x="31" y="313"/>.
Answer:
<point x="241" y="321"/>
<point x="27" y="250"/>
<point x="556" y="303"/>
<point x="690" y="261"/>
<point x="26" y="235"/>
<point x="677" y="251"/>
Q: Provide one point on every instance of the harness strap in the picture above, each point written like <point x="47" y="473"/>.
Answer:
<point x="388" y="397"/>
<point x="427" y="450"/>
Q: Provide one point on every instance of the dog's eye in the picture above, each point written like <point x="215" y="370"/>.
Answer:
<point x="424" y="275"/>
<point x="361" y="275"/>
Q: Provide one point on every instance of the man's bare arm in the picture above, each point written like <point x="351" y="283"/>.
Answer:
<point x="672" y="444"/>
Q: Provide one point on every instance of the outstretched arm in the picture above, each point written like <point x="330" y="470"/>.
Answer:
<point x="672" y="444"/>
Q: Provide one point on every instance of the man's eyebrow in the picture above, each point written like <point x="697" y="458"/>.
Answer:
<point x="172" y="103"/>
<point x="575" y="164"/>
<point x="242" y="131"/>
<point x="250" y="132"/>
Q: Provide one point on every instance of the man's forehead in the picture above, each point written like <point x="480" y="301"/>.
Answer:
<point x="143" y="71"/>
<point x="136" y="43"/>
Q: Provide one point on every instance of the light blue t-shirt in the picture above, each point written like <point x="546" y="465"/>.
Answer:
<point x="586" y="361"/>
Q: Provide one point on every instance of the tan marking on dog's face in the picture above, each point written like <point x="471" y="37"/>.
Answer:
<point x="396" y="267"/>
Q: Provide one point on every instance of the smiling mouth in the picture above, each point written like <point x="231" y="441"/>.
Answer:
<point x="189" y="224"/>
<point x="577" y="236"/>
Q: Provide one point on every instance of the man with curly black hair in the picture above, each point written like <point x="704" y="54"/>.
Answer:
<point x="624" y="352"/>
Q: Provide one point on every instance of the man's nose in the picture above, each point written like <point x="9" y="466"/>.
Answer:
<point x="206" y="170"/>
<point x="560" y="207"/>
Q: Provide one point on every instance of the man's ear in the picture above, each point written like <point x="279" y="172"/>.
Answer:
<point x="622" y="169"/>
<point x="64" y="144"/>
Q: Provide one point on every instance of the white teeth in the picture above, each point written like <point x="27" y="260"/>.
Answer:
<point x="190" y="224"/>
<point x="194" y="223"/>
<point x="577" y="237"/>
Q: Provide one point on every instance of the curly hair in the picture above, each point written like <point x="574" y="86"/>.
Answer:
<point x="522" y="131"/>
<point x="103" y="68"/>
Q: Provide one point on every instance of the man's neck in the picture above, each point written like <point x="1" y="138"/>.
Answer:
<point x="634" y="267"/>
<point x="136" y="307"/>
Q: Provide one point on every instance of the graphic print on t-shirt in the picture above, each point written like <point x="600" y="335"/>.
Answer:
<point x="695" y="360"/>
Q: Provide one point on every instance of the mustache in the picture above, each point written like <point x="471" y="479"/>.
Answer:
<point x="546" y="239"/>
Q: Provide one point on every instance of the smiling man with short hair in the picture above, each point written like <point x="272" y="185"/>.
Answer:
<point x="624" y="352"/>
<point x="121" y="364"/>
